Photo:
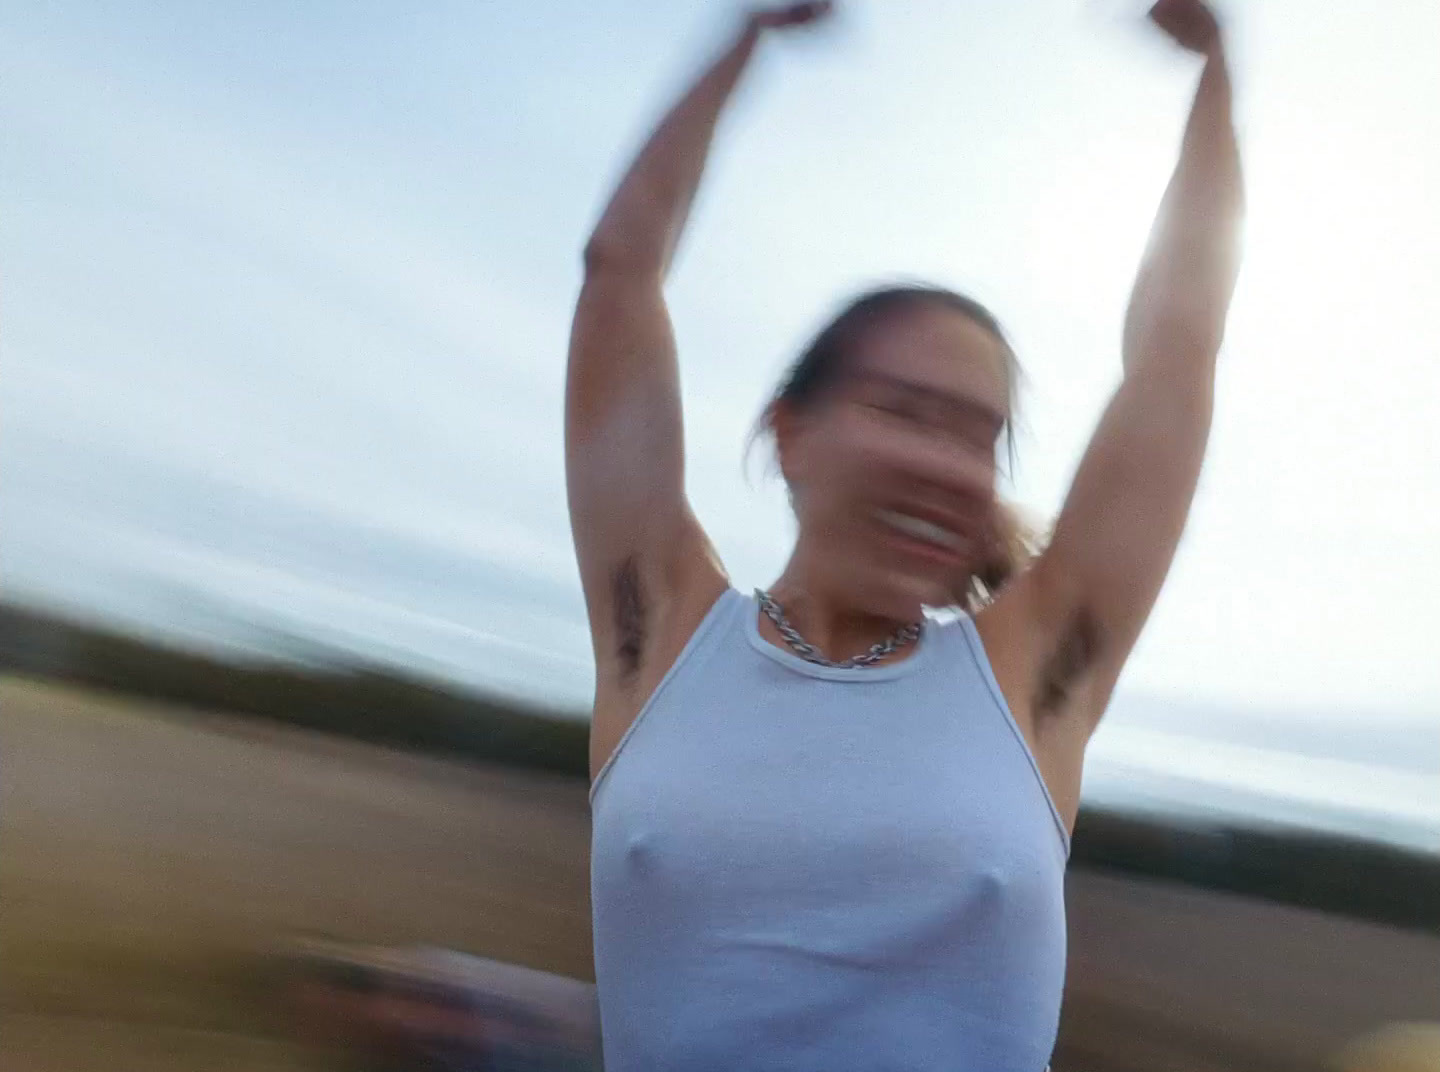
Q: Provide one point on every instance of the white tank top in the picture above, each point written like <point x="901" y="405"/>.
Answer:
<point x="804" y="868"/>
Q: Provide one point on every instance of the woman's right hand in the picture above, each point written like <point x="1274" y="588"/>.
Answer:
<point x="786" y="16"/>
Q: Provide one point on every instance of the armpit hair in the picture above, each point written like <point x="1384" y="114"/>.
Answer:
<point x="1067" y="664"/>
<point x="628" y="601"/>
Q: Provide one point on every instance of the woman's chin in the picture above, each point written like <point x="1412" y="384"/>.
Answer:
<point x="902" y="596"/>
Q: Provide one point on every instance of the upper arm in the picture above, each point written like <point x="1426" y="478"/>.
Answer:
<point x="636" y="540"/>
<point x="1088" y="596"/>
<point x="1059" y="634"/>
<point x="1094" y="586"/>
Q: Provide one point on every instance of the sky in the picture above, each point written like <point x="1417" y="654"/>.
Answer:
<point x="285" y="292"/>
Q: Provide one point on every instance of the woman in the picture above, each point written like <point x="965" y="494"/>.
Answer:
<point x="828" y="833"/>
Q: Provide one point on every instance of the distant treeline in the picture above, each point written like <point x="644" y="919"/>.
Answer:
<point x="1320" y="871"/>
<point x="370" y="703"/>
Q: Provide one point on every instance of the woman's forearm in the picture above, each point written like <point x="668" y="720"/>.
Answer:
<point x="642" y="224"/>
<point x="1193" y="258"/>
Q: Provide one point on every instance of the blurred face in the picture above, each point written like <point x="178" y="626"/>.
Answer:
<point x="892" y="468"/>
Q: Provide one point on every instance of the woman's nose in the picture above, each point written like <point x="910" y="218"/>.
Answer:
<point x="950" y="473"/>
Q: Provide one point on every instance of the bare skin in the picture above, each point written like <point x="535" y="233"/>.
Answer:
<point x="912" y="429"/>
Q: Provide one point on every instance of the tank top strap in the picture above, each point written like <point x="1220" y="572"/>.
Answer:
<point x="726" y="615"/>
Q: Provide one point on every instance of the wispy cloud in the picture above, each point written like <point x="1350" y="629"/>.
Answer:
<point x="286" y="296"/>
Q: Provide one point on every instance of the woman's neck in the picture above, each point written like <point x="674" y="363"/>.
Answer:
<point x="826" y="615"/>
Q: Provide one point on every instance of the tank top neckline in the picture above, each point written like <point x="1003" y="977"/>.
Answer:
<point x="851" y="675"/>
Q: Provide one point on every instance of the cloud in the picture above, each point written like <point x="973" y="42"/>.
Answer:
<point x="290" y="303"/>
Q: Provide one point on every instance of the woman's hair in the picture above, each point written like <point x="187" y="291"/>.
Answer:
<point x="823" y="363"/>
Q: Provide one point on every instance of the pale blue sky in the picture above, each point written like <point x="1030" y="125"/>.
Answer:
<point x="284" y="293"/>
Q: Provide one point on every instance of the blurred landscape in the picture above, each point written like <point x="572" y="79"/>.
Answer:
<point x="292" y="644"/>
<point x="158" y="863"/>
<point x="162" y="853"/>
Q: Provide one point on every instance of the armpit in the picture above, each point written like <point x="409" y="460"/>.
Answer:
<point x="1067" y="664"/>
<point x="628" y="600"/>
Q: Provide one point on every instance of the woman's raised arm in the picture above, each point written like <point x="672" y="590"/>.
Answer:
<point x="636" y="539"/>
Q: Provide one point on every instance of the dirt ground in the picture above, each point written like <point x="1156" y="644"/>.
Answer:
<point x="153" y="862"/>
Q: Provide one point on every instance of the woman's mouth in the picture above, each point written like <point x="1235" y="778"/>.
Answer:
<point x="923" y="534"/>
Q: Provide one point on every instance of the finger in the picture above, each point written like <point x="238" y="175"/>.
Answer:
<point x="815" y="9"/>
<point x="794" y="14"/>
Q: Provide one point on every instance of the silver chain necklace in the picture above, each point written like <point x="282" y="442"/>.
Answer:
<point x="906" y="634"/>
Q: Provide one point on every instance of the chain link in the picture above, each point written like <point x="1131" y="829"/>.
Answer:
<point x="810" y="653"/>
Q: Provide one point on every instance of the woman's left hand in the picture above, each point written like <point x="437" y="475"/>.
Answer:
<point x="1191" y="24"/>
